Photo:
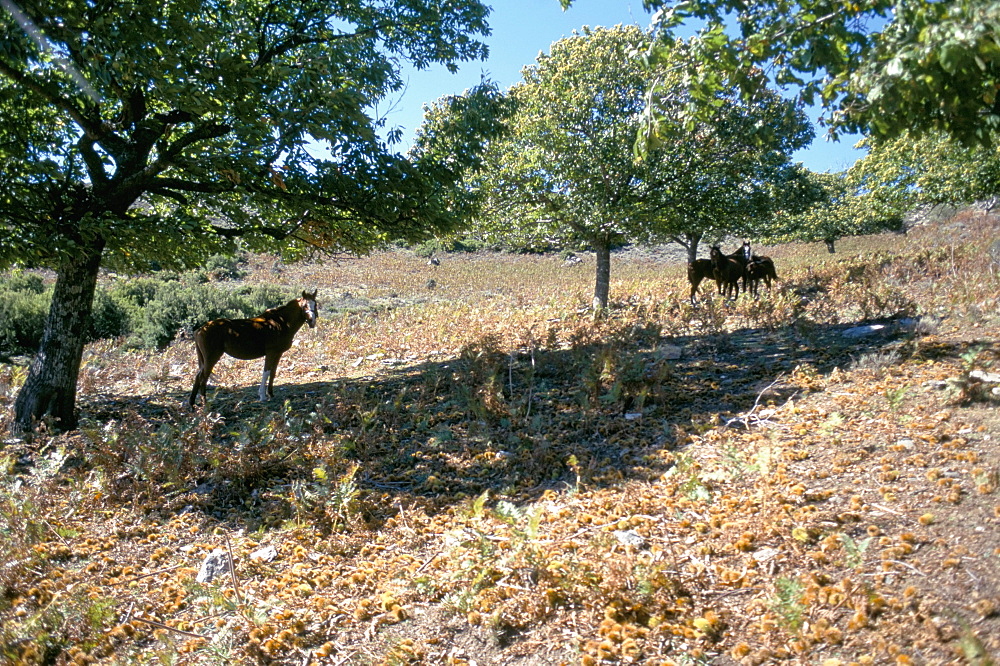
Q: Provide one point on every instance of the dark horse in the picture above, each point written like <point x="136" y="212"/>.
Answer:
<point x="760" y="268"/>
<point x="728" y="270"/>
<point x="701" y="269"/>
<point x="269" y="335"/>
<point x="698" y="270"/>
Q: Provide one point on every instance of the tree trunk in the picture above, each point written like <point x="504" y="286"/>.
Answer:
<point x="693" y="238"/>
<point x="830" y="245"/>
<point x="49" y="392"/>
<point x="602" y="285"/>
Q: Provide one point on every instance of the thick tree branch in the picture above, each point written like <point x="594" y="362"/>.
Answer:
<point x="170" y="194"/>
<point x="239" y="232"/>
<point x="95" y="165"/>
<point x="89" y="125"/>
<point x="167" y="157"/>
<point x="294" y="41"/>
<point x="199" y="133"/>
<point x="180" y="185"/>
<point x="149" y="132"/>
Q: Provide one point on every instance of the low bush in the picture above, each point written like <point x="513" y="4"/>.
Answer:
<point x="156" y="318"/>
<point x="22" y="316"/>
<point x="26" y="282"/>
<point x="227" y="267"/>
<point x="149" y="311"/>
<point x="109" y="318"/>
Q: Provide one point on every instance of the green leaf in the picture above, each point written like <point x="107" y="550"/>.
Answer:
<point x="952" y="55"/>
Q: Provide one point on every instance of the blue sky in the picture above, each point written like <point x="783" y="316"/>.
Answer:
<point x="522" y="28"/>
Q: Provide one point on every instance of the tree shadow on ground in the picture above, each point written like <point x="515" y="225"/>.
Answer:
<point x="437" y="433"/>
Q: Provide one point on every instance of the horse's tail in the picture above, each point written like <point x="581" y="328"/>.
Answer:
<point x="198" y="344"/>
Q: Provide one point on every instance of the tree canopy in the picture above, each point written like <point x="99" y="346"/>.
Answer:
<point x="195" y="123"/>
<point x="838" y="205"/>
<point x="566" y="173"/>
<point x="882" y="67"/>
<point x="930" y="169"/>
<point x="140" y="132"/>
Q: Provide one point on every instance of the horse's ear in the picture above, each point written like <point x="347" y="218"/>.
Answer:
<point x="310" y="297"/>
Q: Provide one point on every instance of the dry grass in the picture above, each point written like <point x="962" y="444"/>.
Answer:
<point x="476" y="470"/>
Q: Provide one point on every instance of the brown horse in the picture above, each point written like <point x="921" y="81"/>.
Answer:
<point x="698" y="270"/>
<point x="269" y="335"/>
<point x="728" y="271"/>
<point x="760" y="268"/>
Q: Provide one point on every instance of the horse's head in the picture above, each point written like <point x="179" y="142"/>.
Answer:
<point x="308" y="304"/>
<point x="747" y="254"/>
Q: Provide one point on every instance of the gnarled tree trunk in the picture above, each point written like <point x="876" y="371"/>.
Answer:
<point x="49" y="393"/>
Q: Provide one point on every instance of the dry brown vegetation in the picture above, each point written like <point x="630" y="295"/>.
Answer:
<point x="471" y="470"/>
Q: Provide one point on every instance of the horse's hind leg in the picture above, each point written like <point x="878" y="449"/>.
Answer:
<point x="199" y="379"/>
<point x="694" y="289"/>
<point x="205" y="364"/>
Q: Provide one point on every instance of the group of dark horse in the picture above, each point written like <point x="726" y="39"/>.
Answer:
<point x="729" y="270"/>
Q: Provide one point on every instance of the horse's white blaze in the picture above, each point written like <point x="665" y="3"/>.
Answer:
<point x="262" y="393"/>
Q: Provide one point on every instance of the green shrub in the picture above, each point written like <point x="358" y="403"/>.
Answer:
<point x="137" y="291"/>
<point x="226" y="267"/>
<point x="178" y="306"/>
<point x="149" y="310"/>
<point x="109" y="318"/>
<point x="19" y="281"/>
<point x="22" y="319"/>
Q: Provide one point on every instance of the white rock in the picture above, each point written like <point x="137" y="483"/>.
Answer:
<point x="863" y="331"/>
<point x="765" y="554"/>
<point x="216" y="564"/>
<point x="630" y="538"/>
<point x="265" y="554"/>
<point x="987" y="377"/>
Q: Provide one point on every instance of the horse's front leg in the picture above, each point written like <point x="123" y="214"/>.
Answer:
<point x="266" y="390"/>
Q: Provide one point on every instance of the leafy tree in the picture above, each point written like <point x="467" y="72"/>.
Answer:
<point x="730" y="174"/>
<point x="930" y="169"/>
<point x="453" y="138"/>
<point x="567" y="174"/>
<point x="896" y="176"/>
<point x="839" y="204"/>
<point x="140" y="132"/>
<point x="879" y="66"/>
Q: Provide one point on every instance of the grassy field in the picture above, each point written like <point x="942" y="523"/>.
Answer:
<point x="460" y="466"/>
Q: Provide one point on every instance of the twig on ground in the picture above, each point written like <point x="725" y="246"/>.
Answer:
<point x="750" y="418"/>
<point x="428" y="561"/>
<point x="160" y="625"/>
<point x="232" y="571"/>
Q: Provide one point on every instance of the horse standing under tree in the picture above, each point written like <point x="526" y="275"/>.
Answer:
<point x="701" y="269"/>
<point x="269" y="335"/>
<point x="760" y="268"/>
<point x="698" y="270"/>
<point x="728" y="270"/>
